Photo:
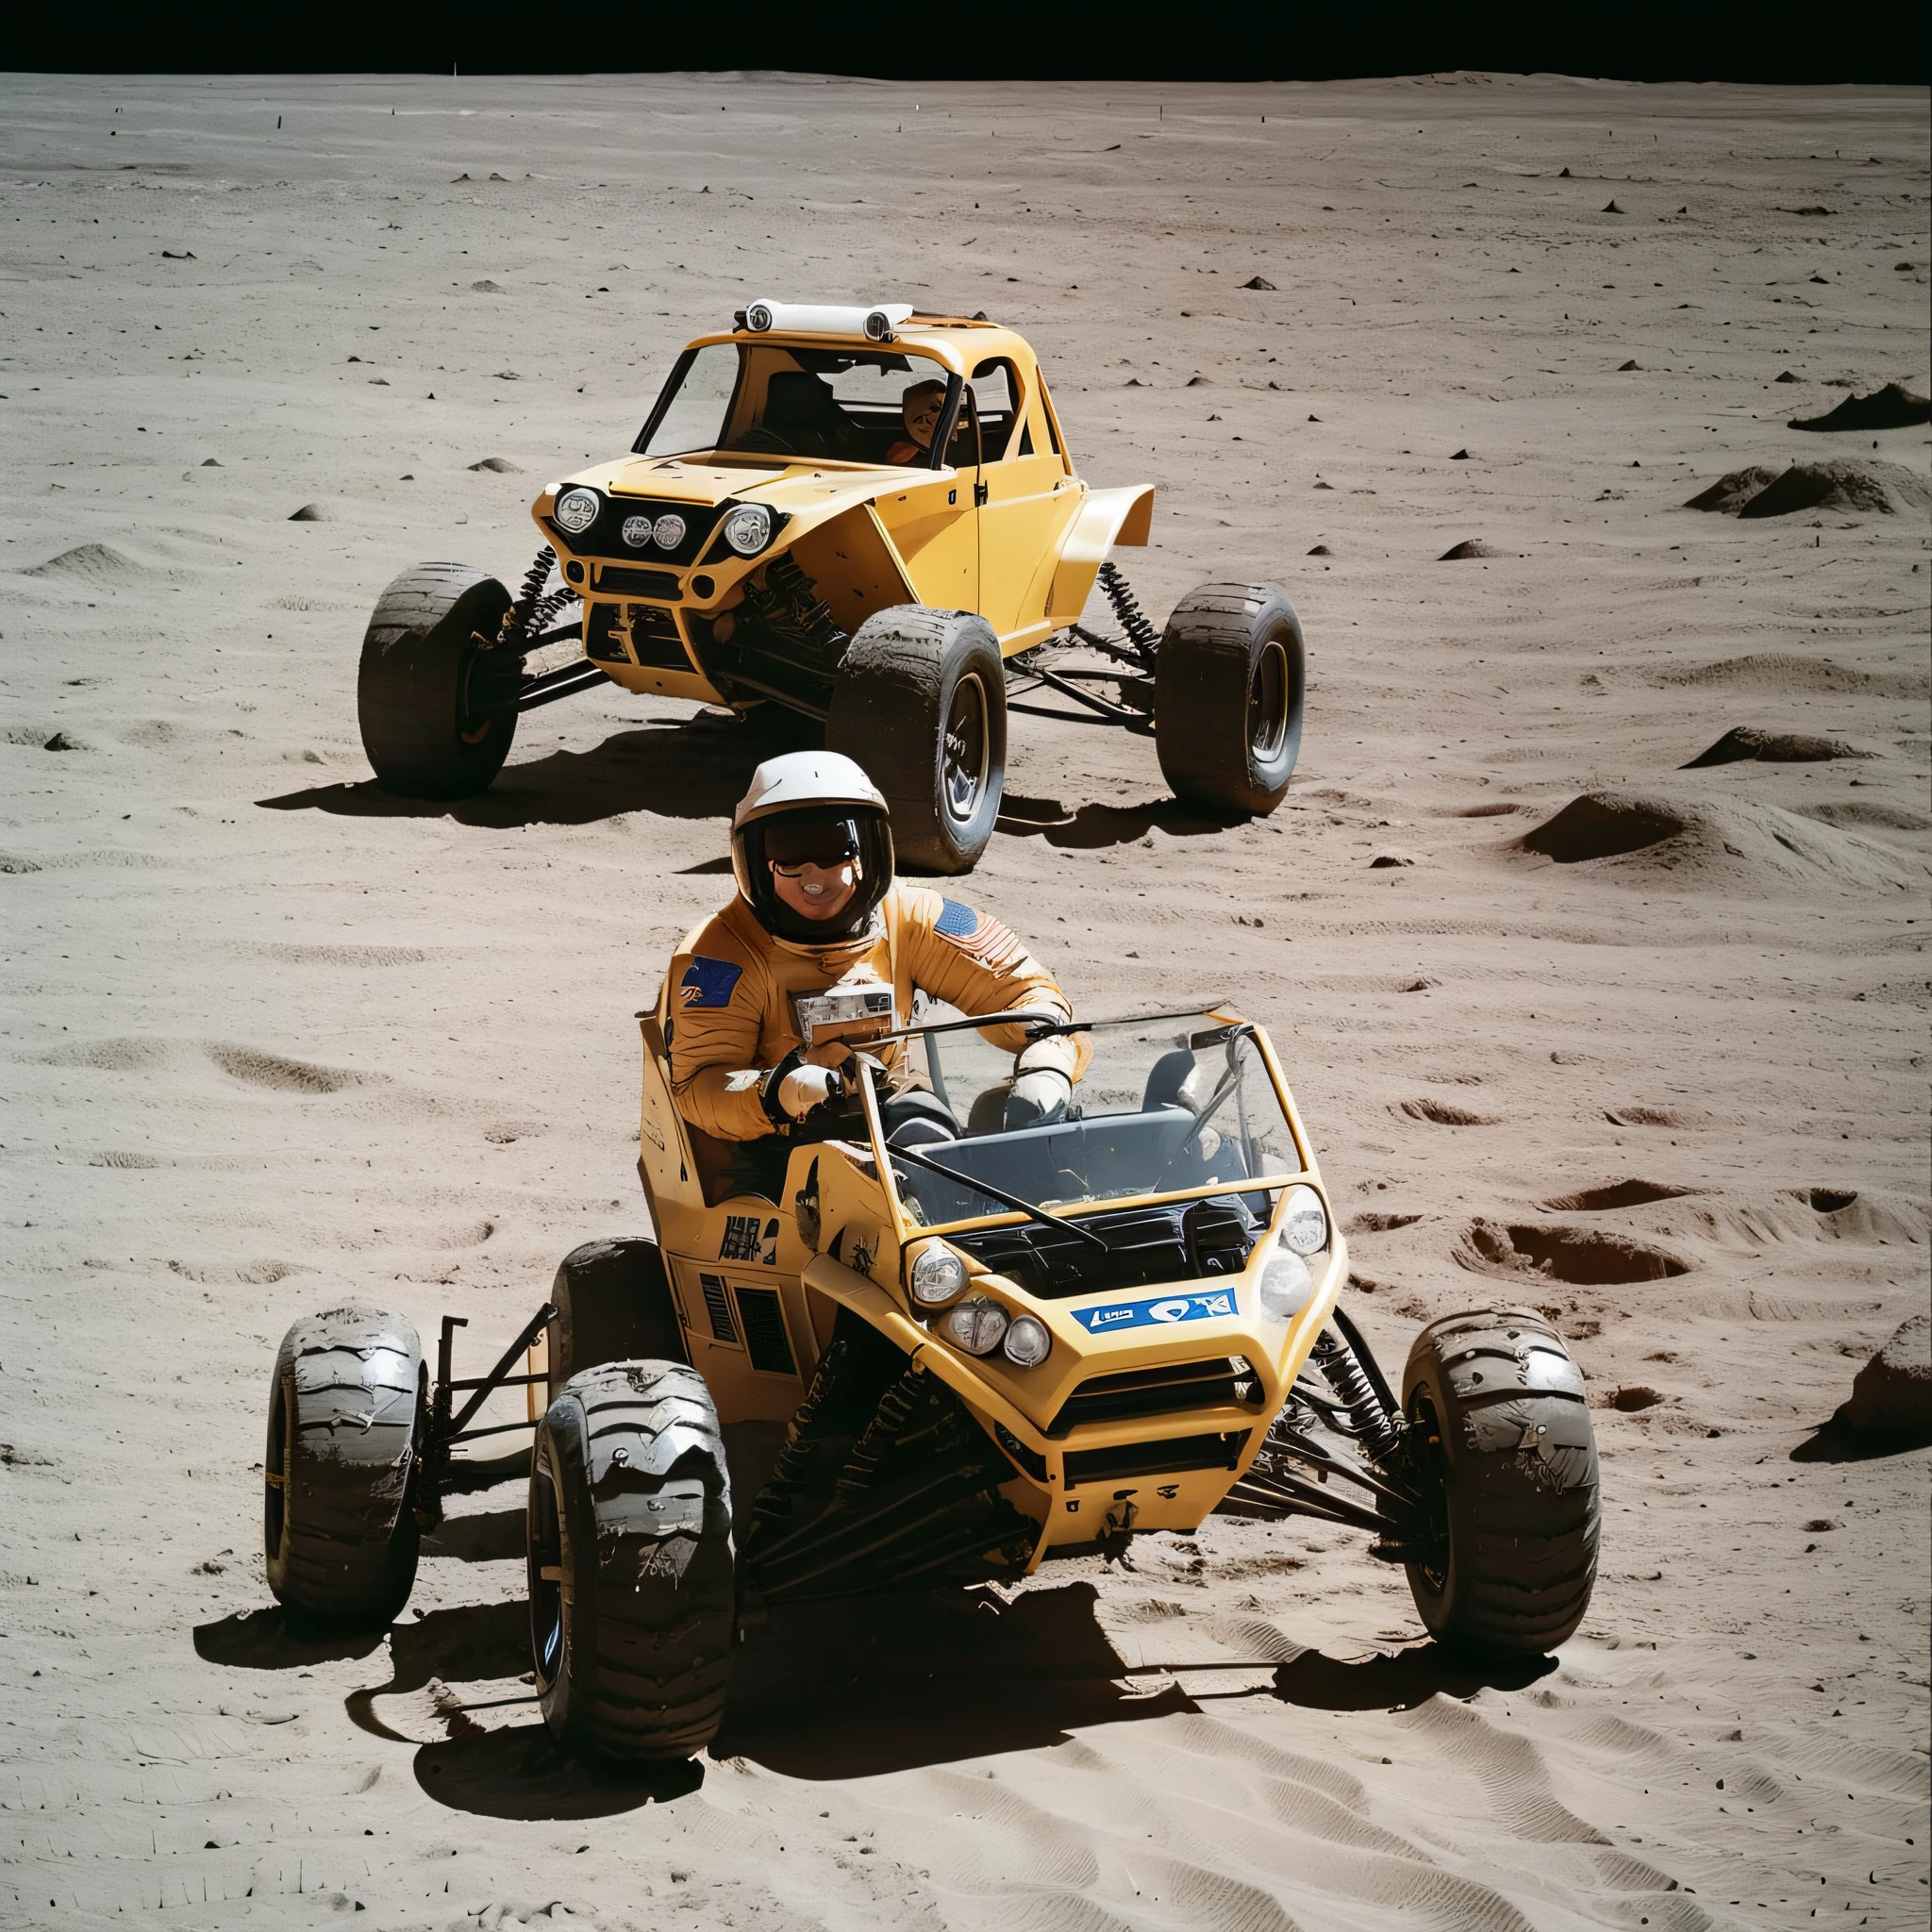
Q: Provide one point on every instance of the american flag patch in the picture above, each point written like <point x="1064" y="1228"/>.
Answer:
<point x="987" y="939"/>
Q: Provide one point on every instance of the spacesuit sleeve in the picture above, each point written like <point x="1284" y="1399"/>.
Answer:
<point x="715" y="997"/>
<point x="975" y="963"/>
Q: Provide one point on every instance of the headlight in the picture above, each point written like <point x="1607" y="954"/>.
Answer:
<point x="1286" y="1284"/>
<point x="1305" y="1226"/>
<point x="977" y="1326"/>
<point x="670" y="531"/>
<point x="637" y="532"/>
<point x="748" y="528"/>
<point x="1027" y="1342"/>
<point x="937" y="1276"/>
<point x="576" y="511"/>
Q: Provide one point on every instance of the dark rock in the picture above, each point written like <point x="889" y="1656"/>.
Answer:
<point x="1773" y="748"/>
<point x="1891" y="407"/>
<point x="1841" y="484"/>
<point x="1321" y="550"/>
<point x="309" y="513"/>
<point x="1892" y="1392"/>
<point x="1785" y="376"/>
<point x="1635" y="1398"/>
<point x="1611" y="207"/>
<point x="1734" y="491"/>
<point x="1474" y="546"/>
<point x="1258" y="282"/>
<point x="1461" y="456"/>
<point x="1386" y="860"/>
<point x="502" y="465"/>
<point x="1623" y="366"/>
<point x="61" y="741"/>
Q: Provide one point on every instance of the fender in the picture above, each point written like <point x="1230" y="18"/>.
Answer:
<point x="1109" y="517"/>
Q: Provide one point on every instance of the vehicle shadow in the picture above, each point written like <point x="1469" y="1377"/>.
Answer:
<point x="859" y="1685"/>
<point x="1091" y="826"/>
<point x="495" y="1536"/>
<point x="1400" y="1680"/>
<point x="270" y="1640"/>
<point x="688" y="768"/>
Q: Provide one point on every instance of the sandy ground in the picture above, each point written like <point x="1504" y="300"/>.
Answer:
<point x="272" y="1039"/>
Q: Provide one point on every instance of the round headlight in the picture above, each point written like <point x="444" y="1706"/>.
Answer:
<point x="576" y="511"/>
<point x="977" y="1326"/>
<point x="748" y="528"/>
<point x="670" y="531"/>
<point x="937" y="1276"/>
<point x="1286" y="1284"/>
<point x="636" y="531"/>
<point x="1305" y="1226"/>
<point x="1027" y="1341"/>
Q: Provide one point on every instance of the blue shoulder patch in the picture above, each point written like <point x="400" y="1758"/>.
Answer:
<point x="955" y="920"/>
<point x="708" y="982"/>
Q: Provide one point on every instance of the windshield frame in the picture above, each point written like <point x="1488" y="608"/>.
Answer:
<point x="909" y="1229"/>
<point x="681" y="368"/>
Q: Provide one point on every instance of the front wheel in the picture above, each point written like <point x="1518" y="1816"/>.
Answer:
<point x="338" y="1538"/>
<point x="1505" y="1455"/>
<point x="921" y="705"/>
<point x="1229" y="684"/>
<point x="437" y="705"/>
<point x="632" y="1573"/>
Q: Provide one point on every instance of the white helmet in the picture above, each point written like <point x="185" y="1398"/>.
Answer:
<point x="809" y="799"/>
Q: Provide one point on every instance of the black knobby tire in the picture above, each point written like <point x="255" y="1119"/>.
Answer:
<point x="437" y="706"/>
<point x="1229" y="681"/>
<point x="343" y="1434"/>
<point x="633" y="1592"/>
<point x="613" y="1305"/>
<point x="921" y="704"/>
<point x="1503" y="1448"/>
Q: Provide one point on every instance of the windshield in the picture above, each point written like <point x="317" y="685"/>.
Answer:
<point x="1166" y="1107"/>
<point x="859" y="405"/>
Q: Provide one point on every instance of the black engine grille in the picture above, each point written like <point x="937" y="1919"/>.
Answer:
<point x="1155" y="1459"/>
<point x="662" y="584"/>
<point x="1168" y="1389"/>
<point x="765" y="1339"/>
<point x="1145" y="1248"/>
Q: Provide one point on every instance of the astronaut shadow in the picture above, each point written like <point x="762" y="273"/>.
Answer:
<point x="1088" y="828"/>
<point x="1400" y="1680"/>
<point x="857" y="1686"/>
<point x="687" y="768"/>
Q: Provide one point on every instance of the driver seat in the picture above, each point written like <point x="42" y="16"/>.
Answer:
<point x="800" y="409"/>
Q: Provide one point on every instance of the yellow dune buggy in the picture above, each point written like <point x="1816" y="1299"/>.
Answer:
<point x="989" y="1348"/>
<point x="780" y="540"/>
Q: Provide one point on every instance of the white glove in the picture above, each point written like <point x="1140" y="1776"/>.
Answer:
<point x="1038" y="1098"/>
<point x="807" y="1086"/>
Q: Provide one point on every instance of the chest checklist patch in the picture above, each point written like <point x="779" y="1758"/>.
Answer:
<point x="708" y="982"/>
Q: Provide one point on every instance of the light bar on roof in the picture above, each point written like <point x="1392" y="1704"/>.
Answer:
<point x="827" y="319"/>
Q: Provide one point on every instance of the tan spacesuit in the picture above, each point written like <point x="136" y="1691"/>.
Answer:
<point x="818" y="911"/>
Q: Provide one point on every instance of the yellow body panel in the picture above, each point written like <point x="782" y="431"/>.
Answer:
<point x="858" y="1260"/>
<point x="1017" y="539"/>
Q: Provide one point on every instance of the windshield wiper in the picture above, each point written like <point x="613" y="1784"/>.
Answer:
<point x="1015" y="1201"/>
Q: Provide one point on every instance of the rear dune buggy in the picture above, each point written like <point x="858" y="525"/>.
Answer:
<point x="990" y="1348"/>
<point x="777" y="542"/>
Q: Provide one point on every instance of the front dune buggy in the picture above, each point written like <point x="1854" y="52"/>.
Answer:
<point x="989" y="1348"/>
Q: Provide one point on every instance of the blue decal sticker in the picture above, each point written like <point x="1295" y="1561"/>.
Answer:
<point x="956" y="920"/>
<point x="1174" y="1308"/>
<point x="708" y="982"/>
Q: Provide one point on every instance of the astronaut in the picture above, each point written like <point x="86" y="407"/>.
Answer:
<point x="818" y="911"/>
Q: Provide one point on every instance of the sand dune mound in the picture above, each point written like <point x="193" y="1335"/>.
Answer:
<point x="1733" y="491"/>
<point x="1471" y="546"/>
<point x="1745" y="741"/>
<point x="1891" y="407"/>
<point x="90" y="563"/>
<point x="1782" y="672"/>
<point x="1712" y="841"/>
<point x="1842" y="484"/>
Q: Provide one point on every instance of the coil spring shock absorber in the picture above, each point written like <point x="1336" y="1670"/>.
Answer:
<point x="524" y="616"/>
<point x="1127" y="613"/>
<point x="1369" y="1419"/>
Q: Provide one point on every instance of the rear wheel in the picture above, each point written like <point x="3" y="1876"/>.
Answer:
<point x="343" y="1430"/>
<point x="921" y="704"/>
<point x="613" y="1303"/>
<point x="1230" y="679"/>
<point x="633" y="1588"/>
<point x="437" y="705"/>
<point x="1506" y="1458"/>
